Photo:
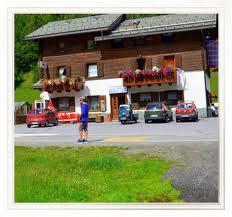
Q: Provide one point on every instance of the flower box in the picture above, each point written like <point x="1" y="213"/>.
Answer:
<point x="167" y="75"/>
<point x="66" y="84"/>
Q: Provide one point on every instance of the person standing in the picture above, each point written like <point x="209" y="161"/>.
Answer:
<point x="214" y="110"/>
<point x="83" y="127"/>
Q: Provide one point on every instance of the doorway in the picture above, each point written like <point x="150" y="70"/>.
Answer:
<point x="116" y="101"/>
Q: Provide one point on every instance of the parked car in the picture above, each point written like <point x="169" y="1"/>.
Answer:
<point x="186" y="110"/>
<point x="41" y="117"/>
<point x="157" y="111"/>
<point x="126" y="114"/>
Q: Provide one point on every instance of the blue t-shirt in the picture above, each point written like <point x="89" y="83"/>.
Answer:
<point x="84" y="112"/>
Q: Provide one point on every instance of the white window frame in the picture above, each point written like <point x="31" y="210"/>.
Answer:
<point x="95" y="73"/>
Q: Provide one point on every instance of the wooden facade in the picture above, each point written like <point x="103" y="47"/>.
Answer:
<point x="75" y="56"/>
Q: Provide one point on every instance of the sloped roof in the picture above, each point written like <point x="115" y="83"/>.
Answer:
<point x="161" y="24"/>
<point x="37" y="85"/>
<point x="20" y="104"/>
<point x="76" y="26"/>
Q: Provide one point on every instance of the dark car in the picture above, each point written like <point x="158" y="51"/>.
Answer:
<point x="186" y="110"/>
<point x="41" y="117"/>
<point x="157" y="111"/>
<point x="126" y="114"/>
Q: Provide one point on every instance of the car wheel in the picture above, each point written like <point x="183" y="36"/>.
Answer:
<point x="177" y="120"/>
<point x="146" y="121"/>
<point x="28" y="125"/>
<point x="166" y="119"/>
<point x="195" y="119"/>
<point x="123" y="122"/>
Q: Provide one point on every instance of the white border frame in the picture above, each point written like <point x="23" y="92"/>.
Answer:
<point x="157" y="206"/>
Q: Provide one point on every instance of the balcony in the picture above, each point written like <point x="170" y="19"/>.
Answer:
<point x="59" y="85"/>
<point x="149" y="77"/>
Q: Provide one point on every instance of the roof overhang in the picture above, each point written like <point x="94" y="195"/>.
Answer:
<point x="65" y="34"/>
<point x="146" y="32"/>
<point x="90" y="30"/>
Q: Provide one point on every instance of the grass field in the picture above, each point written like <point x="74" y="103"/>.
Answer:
<point x="25" y="92"/>
<point x="90" y="174"/>
<point x="214" y="84"/>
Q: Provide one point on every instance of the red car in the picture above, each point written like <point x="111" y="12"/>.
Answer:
<point x="186" y="110"/>
<point x="41" y="117"/>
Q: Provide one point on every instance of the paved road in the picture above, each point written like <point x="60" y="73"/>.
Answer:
<point x="194" y="146"/>
<point x="114" y="132"/>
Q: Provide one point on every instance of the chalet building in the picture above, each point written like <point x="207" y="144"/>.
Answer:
<point x="113" y="61"/>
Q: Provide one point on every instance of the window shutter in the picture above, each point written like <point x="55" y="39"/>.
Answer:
<point x="68" y="71"/>
<point x="71" y="104"/>
<point x="100" y="69"/>
<point x="56" y="72"/>
<point x="178" y="61"/>
<point x="149" y="63"/>
<point x="102" y="103"/>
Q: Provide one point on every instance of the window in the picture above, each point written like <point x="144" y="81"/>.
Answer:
<point x="64" y="104"/>
<point x="185" y="105"/>
<point x="172" y="95"/>
<point x="141" y="63"/>
<point x="169" y="61"/>
<point x="144" y="98"/>
<point x="154" y="106"/>
<point x="117" y="43"/>
<point x="172" y="98"/>
<point x="62" y="72"/>
<point x="90" y="44"/>
<point x="94" y="103"/>
<point x="36" y="111"/>
<point x="61" y="47"/>
<point x="92" y="70"/>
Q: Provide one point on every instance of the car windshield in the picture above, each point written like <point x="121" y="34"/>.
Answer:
<point x="185" y="106"/>
<point x="124" y="108"/>
<point x="154" y="106"/>
<point x="36" y="112"/>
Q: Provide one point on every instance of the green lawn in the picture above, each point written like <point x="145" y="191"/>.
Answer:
<point x="25" y="92"/>
<point x="214" y="84"/>
<point x="90" y="174"/>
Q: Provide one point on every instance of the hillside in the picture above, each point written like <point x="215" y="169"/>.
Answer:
<point x="214" y="84"/>
<point x="24" y="91"/>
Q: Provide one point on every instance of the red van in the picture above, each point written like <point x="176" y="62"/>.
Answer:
<point x="186" y="110"/>
<point x="41" y="117"/>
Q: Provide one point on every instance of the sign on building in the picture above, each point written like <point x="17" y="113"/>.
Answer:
<point x="117" y="89"/>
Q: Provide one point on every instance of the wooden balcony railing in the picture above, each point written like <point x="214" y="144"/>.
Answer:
<point x="59" y="85"/>
<point x="149" y="77"/>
